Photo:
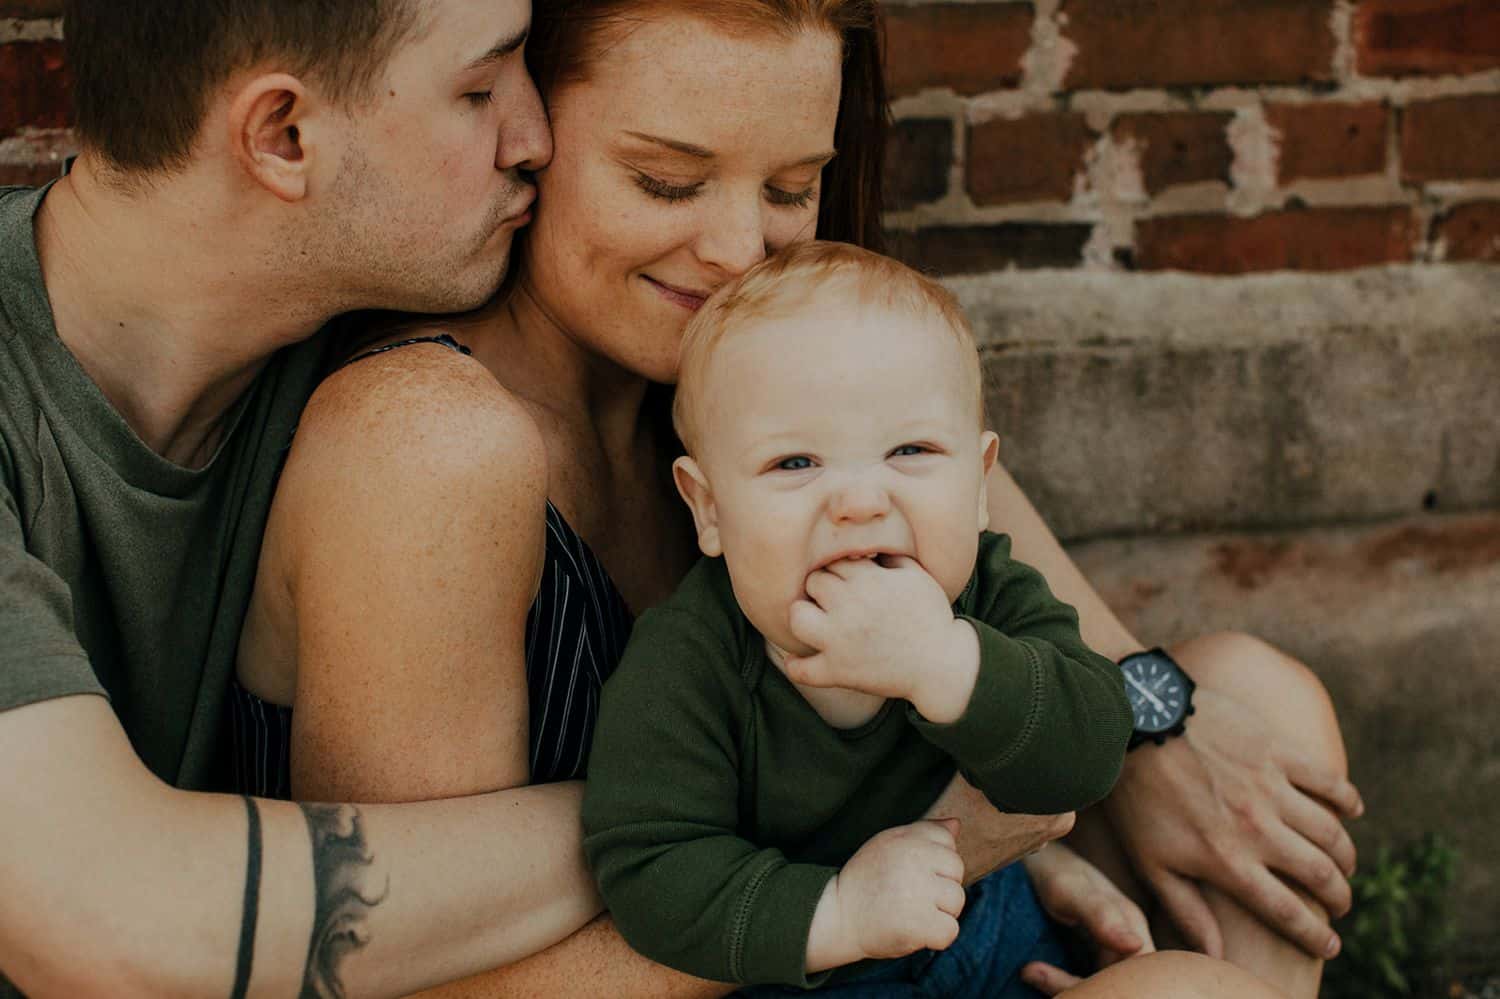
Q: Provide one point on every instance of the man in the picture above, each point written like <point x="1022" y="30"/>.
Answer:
<point x="250" y="169"/>
<point x="266" y="167"/>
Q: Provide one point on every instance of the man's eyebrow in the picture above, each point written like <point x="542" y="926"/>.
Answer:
<point x="698" y="152"/>
<point x="500" y="50"/>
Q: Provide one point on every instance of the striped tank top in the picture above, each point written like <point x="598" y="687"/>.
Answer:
<point x="575" y="634"/>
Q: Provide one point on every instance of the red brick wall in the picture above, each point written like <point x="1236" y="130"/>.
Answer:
<point x="1222" y="136"/>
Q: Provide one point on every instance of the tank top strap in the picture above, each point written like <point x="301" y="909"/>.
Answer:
<point x="443" y="339"/>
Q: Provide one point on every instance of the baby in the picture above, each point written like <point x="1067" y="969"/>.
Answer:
<point x="776" y="730"/>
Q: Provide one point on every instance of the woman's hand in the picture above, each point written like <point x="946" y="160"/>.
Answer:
<point x="988" y="838"/>
<point x="1227" y="806"/>
<point x="1075" y="893"/>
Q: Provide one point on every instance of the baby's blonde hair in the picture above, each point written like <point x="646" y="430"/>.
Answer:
<point x="792" y="278"/>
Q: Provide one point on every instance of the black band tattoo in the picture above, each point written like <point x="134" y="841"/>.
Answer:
<point x="250" y="911"/>
<point x="341" y="863"/>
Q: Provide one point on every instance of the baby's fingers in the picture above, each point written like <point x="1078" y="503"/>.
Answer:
<point x="811" y="671"/>
<point x="808" y="623"/>
<point x="949" y="896"/>
<point x="942" y="931"/>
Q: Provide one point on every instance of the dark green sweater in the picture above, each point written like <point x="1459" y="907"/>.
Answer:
<point x="719" y="803"/>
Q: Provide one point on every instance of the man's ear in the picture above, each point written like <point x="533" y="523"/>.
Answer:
<point x="267" y="118"/>
<point x="693" y="485"/>
<point x="989" y="443"/>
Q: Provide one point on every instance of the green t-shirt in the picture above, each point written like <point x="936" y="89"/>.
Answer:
<point x="122" y="573"/>
<point x="719" y="802"/>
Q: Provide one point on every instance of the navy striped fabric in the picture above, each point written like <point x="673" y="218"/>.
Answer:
<point x="575" y="635"/>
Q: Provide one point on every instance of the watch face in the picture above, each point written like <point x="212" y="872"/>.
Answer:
<point x="1157" y="692"/>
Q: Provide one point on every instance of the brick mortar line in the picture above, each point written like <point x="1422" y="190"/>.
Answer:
<point x="19" y="29"/>
<point x="1439" y="196"/>
<point x="1014" y="102"/>
<point x="36" y="147"/>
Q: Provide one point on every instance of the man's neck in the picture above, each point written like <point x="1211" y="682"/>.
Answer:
<point x="171" y="309"/>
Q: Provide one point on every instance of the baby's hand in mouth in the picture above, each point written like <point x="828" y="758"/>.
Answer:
<point x="878" y="622"/>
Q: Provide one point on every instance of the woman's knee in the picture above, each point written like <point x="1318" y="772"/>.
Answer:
<point x="1285" y="691"/>
<point x="1173" y="974"/>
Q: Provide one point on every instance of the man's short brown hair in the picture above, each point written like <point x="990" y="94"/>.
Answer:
<point x="790" y="279"/>
<point x="145" y="70"/>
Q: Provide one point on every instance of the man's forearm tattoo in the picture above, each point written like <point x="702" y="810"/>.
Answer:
<point x="250" y="907"/>
<point x="341" y="863"/>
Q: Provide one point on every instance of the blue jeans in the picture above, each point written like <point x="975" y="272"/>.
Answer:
<point x="1002" y="928"/>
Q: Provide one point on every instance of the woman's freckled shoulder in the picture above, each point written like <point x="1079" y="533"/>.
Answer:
<point x="419" y="410"/>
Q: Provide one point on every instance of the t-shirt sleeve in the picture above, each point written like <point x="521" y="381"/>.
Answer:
<point x="40" y="656"/>
<point x="661" y="816"/>
<point x="1046" y="728"/>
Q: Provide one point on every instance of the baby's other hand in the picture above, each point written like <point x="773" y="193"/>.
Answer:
<point x="903" y="890"/>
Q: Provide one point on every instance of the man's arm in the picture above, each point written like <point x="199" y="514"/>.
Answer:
<point x="1187" y="777"/>
<point x="595" y="961"/>
<point x="116" y="884"/>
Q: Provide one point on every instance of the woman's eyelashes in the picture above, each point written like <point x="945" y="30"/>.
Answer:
<point x="480" y="98"/>
<point x="794" y="199"/>
<point x="666" y="191"/>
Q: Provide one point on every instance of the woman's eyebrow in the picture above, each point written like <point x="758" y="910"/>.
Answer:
<point x="698" y="152"/>
<point x="675" y="145"/>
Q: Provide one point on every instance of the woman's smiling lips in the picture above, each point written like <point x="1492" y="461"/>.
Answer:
<point x="683" y="297"/>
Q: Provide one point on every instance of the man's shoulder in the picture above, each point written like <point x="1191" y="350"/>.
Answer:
<point x="18" y="207"/>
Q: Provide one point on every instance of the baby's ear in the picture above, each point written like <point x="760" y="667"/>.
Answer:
<point x="693" y="485"/>
<point x="989" y="444"/>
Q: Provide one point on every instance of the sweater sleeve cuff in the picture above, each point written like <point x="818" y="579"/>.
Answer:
<point x="1002" y="710"/>
<point x="768" y="943"/>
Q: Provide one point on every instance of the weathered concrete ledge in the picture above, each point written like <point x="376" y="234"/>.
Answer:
<point x="1402" y="623"/>
<point x="1132" y="403"/>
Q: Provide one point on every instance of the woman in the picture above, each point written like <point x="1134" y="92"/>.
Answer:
<point x="457" y="548"/>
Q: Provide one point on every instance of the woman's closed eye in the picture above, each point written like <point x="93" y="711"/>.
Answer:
<point x="480" y="98"/>
<point x="666" y="191"/>
<point x="792" y="199"/>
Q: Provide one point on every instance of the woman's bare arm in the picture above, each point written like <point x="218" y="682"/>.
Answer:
<point x="408" y="528"/>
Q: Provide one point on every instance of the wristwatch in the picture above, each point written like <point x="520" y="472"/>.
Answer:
<point x="1161" y="696"/>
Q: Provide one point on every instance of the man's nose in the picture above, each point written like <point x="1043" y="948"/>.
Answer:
<point x="525" y="135"/>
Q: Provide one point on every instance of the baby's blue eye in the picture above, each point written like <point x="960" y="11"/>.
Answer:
<point x="908" y="449"/>
<point x="796" y="463"/>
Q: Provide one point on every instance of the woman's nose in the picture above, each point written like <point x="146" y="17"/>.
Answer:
<point x="734" y="235"/>
<point x="858" y="502"/>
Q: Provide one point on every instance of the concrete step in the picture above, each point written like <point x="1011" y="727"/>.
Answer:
<point x="1132" y="403"/>
<point x="1402" y="622"/>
